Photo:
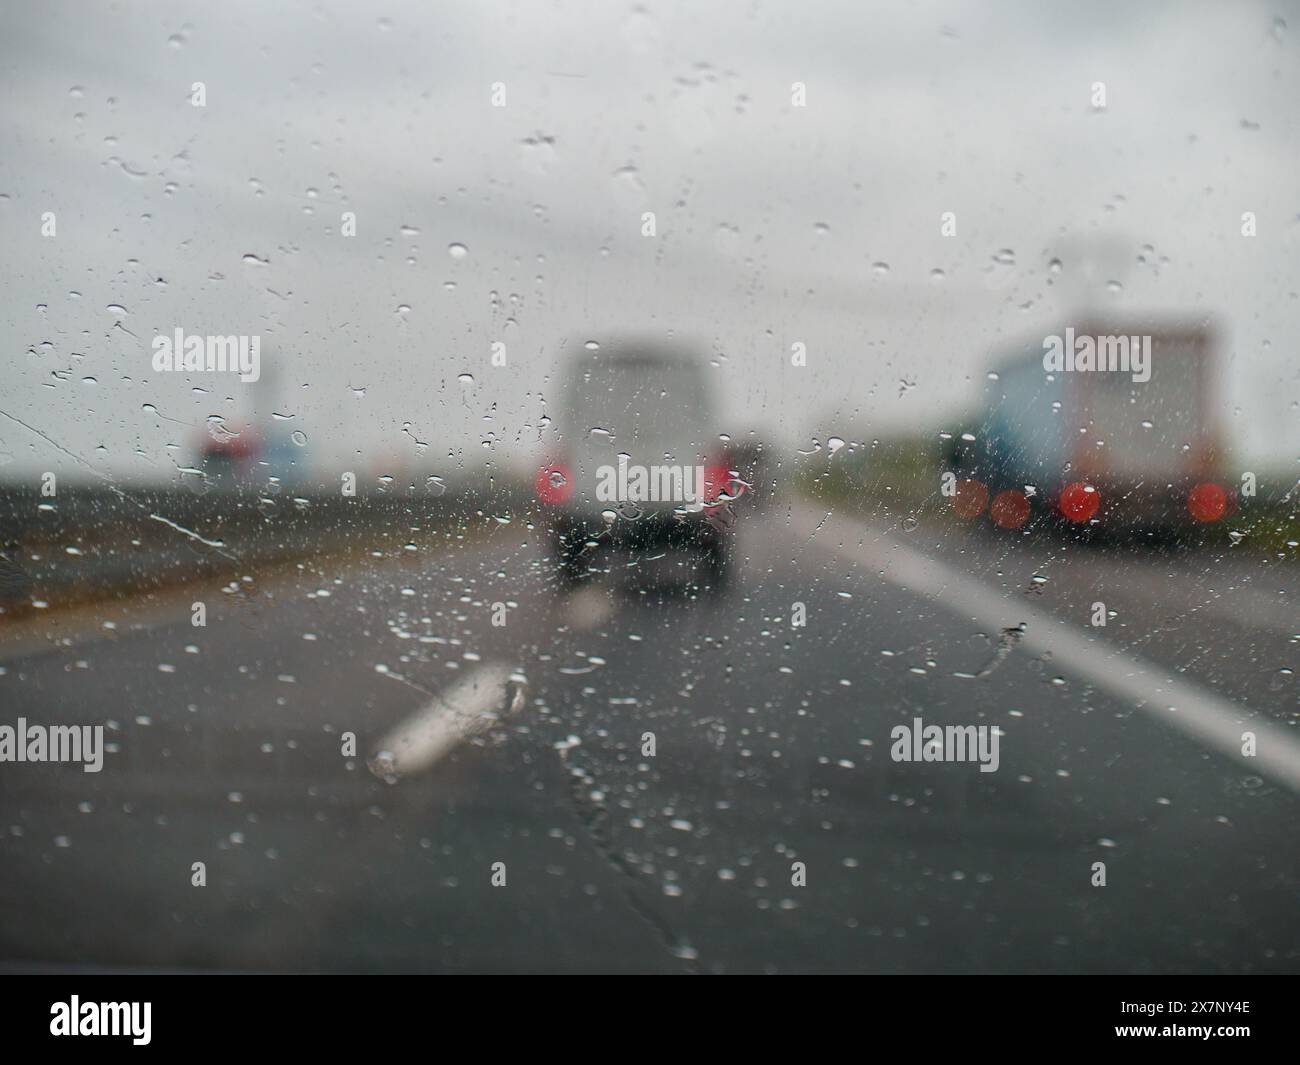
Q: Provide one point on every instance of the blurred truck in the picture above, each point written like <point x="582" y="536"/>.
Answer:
<point x="639" y="467"/>
<point x="1110" y="423"/>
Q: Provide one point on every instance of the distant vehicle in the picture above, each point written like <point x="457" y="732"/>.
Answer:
<point x="640" y="466"/>
<point x="1111" y="424"/>
<point x="229" y="459"/>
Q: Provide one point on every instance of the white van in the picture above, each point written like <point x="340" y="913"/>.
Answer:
<point x="640" y="466"/>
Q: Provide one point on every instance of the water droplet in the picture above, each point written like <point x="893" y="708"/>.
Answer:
<point x="457" y="251"/>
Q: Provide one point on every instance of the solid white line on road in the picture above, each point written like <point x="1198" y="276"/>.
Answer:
<point x="469" y="707"/>
<point x="1214" y="722"/>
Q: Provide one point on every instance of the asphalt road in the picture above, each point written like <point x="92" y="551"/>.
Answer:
<point x="522" y="744"/>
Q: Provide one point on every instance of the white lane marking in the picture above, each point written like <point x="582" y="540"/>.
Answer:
<point x="472" y="705"/>
<point x="1214" y="722"/>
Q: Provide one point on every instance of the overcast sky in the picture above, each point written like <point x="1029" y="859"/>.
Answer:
<point x="775" y="224"/>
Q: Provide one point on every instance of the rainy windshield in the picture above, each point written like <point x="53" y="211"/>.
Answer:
<point x="650" y="487"/>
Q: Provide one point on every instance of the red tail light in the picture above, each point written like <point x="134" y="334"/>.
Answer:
<point x="1079" y="501"/>
<point x="720" y="480"/>
<point x="1207" y="502"/>
<point x="716" y="479"/>
<point x="970" y="499"/>
<point x="554" y="483"/>
<point x="1009" y="509"/>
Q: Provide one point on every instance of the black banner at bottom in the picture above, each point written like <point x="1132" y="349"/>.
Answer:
<point x="363" y="1014"/>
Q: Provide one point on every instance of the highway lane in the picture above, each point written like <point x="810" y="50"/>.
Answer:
<point x="771" y="748"/>
<point x="1227" y="616"/>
